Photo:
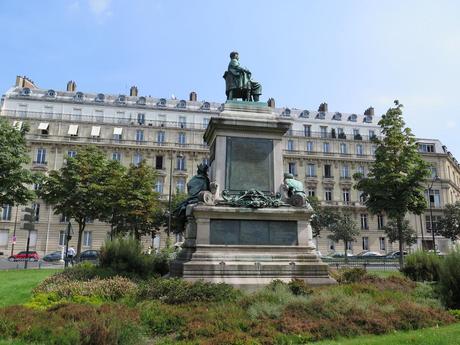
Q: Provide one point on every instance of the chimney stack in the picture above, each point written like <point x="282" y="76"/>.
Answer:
<point x="369" y="111"/>
<point x="23" y="81"/>
<point x="193" y="96"/>
<point x="71" y="86"/>
<point x="323" y="107"/>
<point x="133" y="91"/>
<point x="271" y="102"/>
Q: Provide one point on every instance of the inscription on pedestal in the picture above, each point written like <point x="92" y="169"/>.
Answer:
<point x="253" y="232"/>
<point x="249" y="164"/>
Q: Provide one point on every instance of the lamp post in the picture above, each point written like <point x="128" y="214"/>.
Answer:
<point x="435" y="178"/>
<point x="170" y="192"/>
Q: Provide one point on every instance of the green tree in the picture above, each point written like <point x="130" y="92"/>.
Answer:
<point x="323" y="217"/>
<point x="409" y="235"/>
<point x="136" y="207"/>
<point x="395" y="181"/>
<point x="78" y="189"/>
<point x="345" y="229"/>
<point x="162" y="216"/>
<point x="449" y="226"/>
<point x="14" y="177"/>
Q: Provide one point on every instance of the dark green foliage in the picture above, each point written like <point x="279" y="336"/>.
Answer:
<point x="422" y="266"/>
<point x="14" y="177"/>
<point x="299" y="287"/>
<point x="449" y="279"/>
<point x="351" y="275"/>
<point x="177" y="291"/>
<point x="160" y="319"/>
<point x="409" y="236"/>
<point x="449" y="226"/>
<point x="345" y="229"/>
<point x="125" y="257"/>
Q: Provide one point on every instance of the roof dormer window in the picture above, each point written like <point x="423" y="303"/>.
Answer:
<point x="51" y="93"/>
<point x="352" y="118"/>
<point x="141" y="101"/>
<point x="100" y="97"/>
<point x="25" y="91"/>
<point x="162" y="102"/>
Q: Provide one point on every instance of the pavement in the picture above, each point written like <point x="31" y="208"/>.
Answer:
<point x="7" y="265"/>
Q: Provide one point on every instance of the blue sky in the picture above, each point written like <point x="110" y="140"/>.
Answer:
<point x="351" y="54"/>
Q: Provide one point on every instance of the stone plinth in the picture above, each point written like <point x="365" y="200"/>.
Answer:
<point x="246" y="263"/>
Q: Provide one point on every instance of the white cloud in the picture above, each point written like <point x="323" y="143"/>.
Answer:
<point x="100" y="7"/>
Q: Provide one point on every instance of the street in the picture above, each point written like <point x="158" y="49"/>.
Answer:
<point x="7" y="265"/>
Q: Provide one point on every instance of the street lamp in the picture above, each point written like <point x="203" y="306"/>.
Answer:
<point x="435" y="178"/>
<point x="170" y="191"/>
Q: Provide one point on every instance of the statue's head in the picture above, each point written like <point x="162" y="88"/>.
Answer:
<point x="288" y="175"/>
<point x="234" y="55"/>
<point x="202" y="169"/>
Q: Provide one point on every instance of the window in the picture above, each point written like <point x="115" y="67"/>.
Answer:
<point x="434" y="198"/>
<point x="137" y="159"/>
<point x="382" y="243"/>
<point x="311" y="191"/>
<point x="181" y="138"/>
<point x="361" y="170"/>
<point x="43" y="127"/>
<point x="139" y="135"/>
<point x="340" y="132"/>
<point x="33" y="238"/>
<point x="159" y="185"/>
<point x="182" y="121"/>
<point x="205" y="122"/>
<point x="311" y="170"/>
<point x="292" y="168"/>
<point x="159" y="162"/>
<point x="62" y="236"/>
<point x="309" y="146"/>
<point x="71" y="154"/>
<point x="76" y="114"/>
<point x="365" y="243"/>
<point x="359" y="150"/>
<point x="4" y="238"/>
<point x="99" y="115"/>
<point x="162" y="120"/>
<point x="307" y="130"/>
<point x="36" y="208"/>
<point x="434" y="172"/>
<point x="116" y="156"/>
<point x="362" y="197"/>
<point x="364" y="224"/>
<point x="160" y="137"/>
<point x="373" y="148"/>
<point x="380" y="222"/>
<point x="6" y="212"/>
<point x="345" y="172"/>
<point x="371" y="134"/>
<point x="87" y="238"/>
<point x="141" y="118"/>
<point x="331" y="245"/>
<point x="327" y="171"/>
<point x="426" y="148"/>
<point x="323" y="131"/>
<point x="36" y="186"/>
<point x="64" y="219"/>
<point x="328" y="194"/>
<point x="22" y="110"/>
<point x="180" y="185"/>
<point x="290" y="145"/>
<point x="343" y="148"/>
<point x="355" y="132"/>
<point x="350" y="245"/>
<point x="41" y="156"/>
<point x="326" y="147"/>
<point x="180" y="163"/>
<point x="346" y="196"/>
<point x="436" y="220"/>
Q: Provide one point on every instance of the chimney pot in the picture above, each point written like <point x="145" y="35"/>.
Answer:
<point x="133" y="91"/>
<point x="323" y="107"/>
<point x="369" y="111"/>
<point x="271" y="102"/>
<point x="193" y="96"/>
<point x="71" y="86"/>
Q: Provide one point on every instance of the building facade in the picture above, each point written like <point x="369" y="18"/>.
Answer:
<point x="322" y="149"/>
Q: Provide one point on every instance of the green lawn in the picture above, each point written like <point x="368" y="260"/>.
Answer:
<point x="448" y="335"/>
<point x="385" y="274"/>
<point x="17" y="285"/>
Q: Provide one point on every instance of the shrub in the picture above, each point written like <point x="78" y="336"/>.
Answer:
<point x="449" y="279"/>
<point x="125" y="257"/>
<point x="454" y="312"/>
<point x="422" y="266"/>
<point x="159" y="318"/>
<point x="177" y="291"/>
<point x="349" y="275"/>
<point x="299" y="287"/>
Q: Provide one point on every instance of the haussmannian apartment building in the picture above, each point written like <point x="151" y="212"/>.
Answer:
<point x="323" y="150"/>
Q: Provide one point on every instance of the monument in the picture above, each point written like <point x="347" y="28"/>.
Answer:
<point x="252" y="226"/>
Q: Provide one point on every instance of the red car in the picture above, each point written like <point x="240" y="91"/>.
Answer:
<point x="22" y="256"/>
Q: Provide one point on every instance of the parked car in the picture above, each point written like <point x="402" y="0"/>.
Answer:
<point x="52" y="257"/>
<point x="22" y="256"/>
<point x="368" y="254"/>
<point x="89" y="255"/>
<point x="395" y="254"/>
<point x="339" y="255"/>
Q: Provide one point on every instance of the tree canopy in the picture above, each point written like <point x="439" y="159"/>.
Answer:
<point x="344" y="228"/>
<point x="409" y="235"/>
<point x="395" y="181"/>
<point x="449" y="226"/>
<point x="15" y="178"/>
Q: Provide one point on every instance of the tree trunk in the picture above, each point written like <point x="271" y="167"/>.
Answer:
<point x="399" y="222"/>
<point x="81" y="228"/>
<point x="346" y="251"/>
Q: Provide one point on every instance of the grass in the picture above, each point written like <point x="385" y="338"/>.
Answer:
<point x="384" y="274"/>
<point x="17" y="285"/>
<point x="447" y="335"/>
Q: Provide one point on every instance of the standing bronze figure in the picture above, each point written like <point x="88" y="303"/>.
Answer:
<point x="238" y="82"/>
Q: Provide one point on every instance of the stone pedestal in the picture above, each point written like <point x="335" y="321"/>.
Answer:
<point x="241" y="246"/>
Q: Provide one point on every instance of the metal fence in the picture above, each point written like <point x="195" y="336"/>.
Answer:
<point x="383" y="264"/>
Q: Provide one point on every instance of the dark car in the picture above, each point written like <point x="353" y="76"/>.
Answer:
<point x="89" y="255"/>
<point x="395" y="255"/>
<point x="22" y="256"/>
<point x="52" y="257"/>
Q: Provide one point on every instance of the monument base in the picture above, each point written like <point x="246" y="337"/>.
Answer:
<point x="249" y="248"/>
